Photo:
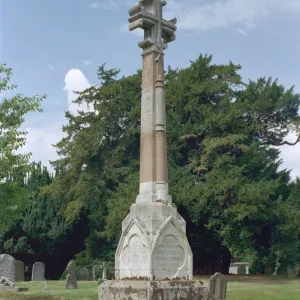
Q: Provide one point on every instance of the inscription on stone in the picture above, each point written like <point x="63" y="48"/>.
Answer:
<point x="169" y="255"/>
<point x="147" y="111"/>
<point x="135" y="255"/>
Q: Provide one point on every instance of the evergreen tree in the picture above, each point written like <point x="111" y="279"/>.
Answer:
<point x="223" y="166"/>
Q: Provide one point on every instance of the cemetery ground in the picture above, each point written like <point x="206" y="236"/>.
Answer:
<point x="239" y="288"/>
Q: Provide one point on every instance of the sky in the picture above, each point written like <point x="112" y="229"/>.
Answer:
<point x="55" y="47"/>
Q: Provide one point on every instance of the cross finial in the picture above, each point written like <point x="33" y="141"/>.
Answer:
<point x="148" y="16"/>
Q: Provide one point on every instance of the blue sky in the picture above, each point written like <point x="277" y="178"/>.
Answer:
<point x="55" y="47"/>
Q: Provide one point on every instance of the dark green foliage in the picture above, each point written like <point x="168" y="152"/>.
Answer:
<point x="13" y="166"/>
<point x="42" y="234"/>
<point x="223" y="169"/>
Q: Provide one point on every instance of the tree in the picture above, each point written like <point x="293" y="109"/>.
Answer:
<point x="223" y="167"/>
<point x="13" y="165"/>
<point x="227" y="176"/>
<point x="99" y="152"/>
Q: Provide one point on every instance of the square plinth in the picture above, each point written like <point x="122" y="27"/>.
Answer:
<point x="152" y="290"/>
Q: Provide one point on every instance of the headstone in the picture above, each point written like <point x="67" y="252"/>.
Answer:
<point x="217" y="287"/>
<point x="241" y="270"/>
<point x="71" y="281"/>
<point x="7" y="285"/>
<point x="292" y="272"/>
<point x="90" y="270"/>
<point x="19" y="269"/>
<point x="38" y="272"/>
<point x="83" y="274"/>
<point x="7" y="267"/>
<point x="104" y="271"/>
<point x="95" y="272"/>
<point x="268" y="270"/>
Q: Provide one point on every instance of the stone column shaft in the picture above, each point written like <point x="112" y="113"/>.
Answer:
<point x="153" y="146"/>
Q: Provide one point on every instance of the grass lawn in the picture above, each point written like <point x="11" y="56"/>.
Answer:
<point x="239" y="288"/>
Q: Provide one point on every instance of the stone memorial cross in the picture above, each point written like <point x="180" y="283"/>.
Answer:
<point x="147" y="15"/>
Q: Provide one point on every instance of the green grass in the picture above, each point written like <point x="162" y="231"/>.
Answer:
<point x="239" y="288"/>
<point x="262" y="288"/>
<point x="87" y="290"/>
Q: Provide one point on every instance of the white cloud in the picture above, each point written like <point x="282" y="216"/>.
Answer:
<point x="94" y="5"/>
<point x="87" y="62"/>
<point x="40" y="139"/>
<point x="290" y="156"/>
<point x="75" y="81"/>
<point x="50" y="67"/>
<point x="205" y="15"/>
<point x="39" y="142"/>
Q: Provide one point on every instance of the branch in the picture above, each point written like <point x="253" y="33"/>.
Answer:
<point x="287" y="143"/>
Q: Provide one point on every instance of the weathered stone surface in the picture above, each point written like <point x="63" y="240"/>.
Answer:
<point x="19" y="271"/>
<point x="240" y="268"/>
<point x="7" y="267"/>
<point x="152" y="290"/>
<point x="38" y="272"/>
<point x="104" y="271"/>
<point x="153" y="244"/>
<point x="96" y="271"/>
<point x="217" y="287"/>
<point x="7" y="285"/>
<point x="71" y="280"/>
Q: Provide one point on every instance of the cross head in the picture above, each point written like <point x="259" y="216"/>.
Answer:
<point x="148" y="16"/>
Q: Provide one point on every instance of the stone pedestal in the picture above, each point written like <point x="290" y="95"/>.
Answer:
<point x="153" y="245"/>
<point x="152" y="290"/>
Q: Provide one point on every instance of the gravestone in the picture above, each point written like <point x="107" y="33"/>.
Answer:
<point x="83" y="274"/>
<point x="104" y="271"/>
<point x="7" y="285"/>
<point x="71" y="281"/>
<point x="292" y="272"/>
<point x="38" y="272"/>
<point x="217" y="287"/>
<point x="95" y="272"/>
<point x="241" y="270"/>
<point x="90" y="270"/>
<point x="19" y="269"/>
<point x="268" y="270"/>
<point x="7" y="267"/>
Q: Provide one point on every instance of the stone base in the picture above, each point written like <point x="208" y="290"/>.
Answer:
<point x="13" y="289"/>
<point x="153" y="245"/>
<point x="152" y="290"/>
